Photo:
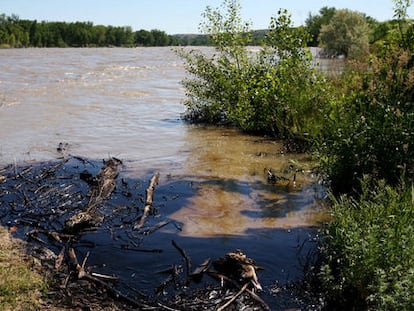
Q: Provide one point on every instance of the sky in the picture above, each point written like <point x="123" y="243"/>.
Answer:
<point x="180" y="16"/>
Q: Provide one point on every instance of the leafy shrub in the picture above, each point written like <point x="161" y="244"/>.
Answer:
<point x="274" y="91"/>
<point x="370" y="129"/>
<point x="370" y="250"/>
<point x="377" y="141"/>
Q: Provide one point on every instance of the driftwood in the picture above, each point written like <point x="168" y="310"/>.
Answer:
<point x="149" y="201"/>
<point x="96" y="278"/>
<point x="52" y="235"/>
<point x="60" y="258"/>
<point x="198" y="273"/>
<point x="74" y="261"/>
<point x="105" y="183"/>
<point x="152" y="229"/>
<point x="273" y="178"/>
<point x="228" y="303"/>
<point x="186" y="259"/>
<point x="239" y="267"/>
<point x="233" y="282"/>
<point x="235" y="268"/>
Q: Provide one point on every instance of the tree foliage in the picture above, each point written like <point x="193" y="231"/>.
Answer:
<point x="15" y="32"/>
<point x="346" y="34"/>
<point x="314" y="23"/>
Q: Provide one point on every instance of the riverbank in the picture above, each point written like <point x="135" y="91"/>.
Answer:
<point x="150" y="251"/>
<point x="26" y="285"/>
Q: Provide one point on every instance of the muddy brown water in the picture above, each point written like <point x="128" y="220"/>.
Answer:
<point x="127" y="103"/>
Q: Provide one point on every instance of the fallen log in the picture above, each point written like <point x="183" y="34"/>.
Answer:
<point x="90" y="215"/>
<point x="149" y="201"/>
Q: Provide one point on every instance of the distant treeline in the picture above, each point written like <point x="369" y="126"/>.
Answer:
<point x="16" y="33"/>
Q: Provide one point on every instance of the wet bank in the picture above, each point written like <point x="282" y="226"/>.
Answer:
<point x="38" y="199"/>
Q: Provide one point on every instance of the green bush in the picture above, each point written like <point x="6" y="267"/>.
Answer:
<point x="274" y="91"/>
<point x="378" y="141"/>
<point x="370" y="250"/>
<point x="370" y="129"/>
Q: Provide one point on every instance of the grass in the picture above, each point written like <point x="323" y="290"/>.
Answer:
<point x="20" y="286"/>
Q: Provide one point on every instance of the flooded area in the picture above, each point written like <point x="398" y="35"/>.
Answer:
<point x="213" y="186"/>
<point x="124" y="102"/>
<point x="235" y="196"/>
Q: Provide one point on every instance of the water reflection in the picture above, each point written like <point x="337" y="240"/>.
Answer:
<point x="233" y="195"/>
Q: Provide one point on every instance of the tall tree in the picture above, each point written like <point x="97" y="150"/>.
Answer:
<point x="346" y="34"/>
<point x="160" y="37"/>
<point x="144" y="38"/>
<point x="314" y="23"/>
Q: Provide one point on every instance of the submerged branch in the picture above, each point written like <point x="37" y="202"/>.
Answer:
<point x="149" y="201"/>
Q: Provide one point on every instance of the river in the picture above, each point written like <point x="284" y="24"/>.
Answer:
<point x="127" y="103"/>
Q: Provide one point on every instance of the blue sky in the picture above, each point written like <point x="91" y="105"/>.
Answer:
<point x="179" y="16"/>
